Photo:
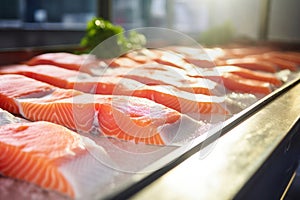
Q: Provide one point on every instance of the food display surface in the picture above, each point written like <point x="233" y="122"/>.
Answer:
<point x="255" y="160"/>
<point x="94" y="128"/>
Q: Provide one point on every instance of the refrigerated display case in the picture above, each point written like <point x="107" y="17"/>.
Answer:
<point x="254" y="155"/>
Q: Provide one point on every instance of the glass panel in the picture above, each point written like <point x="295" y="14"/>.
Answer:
<point x="44" y="14"/>
<point x="189" y="16"/>
<point x="10" y="13"/>
<point x="285" y="20"/>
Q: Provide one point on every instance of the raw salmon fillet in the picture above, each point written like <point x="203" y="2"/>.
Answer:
<point x="68" y="78"/>
<point x="157" y="74"/>
<point x="122" y="62"/>
<point x="232" y="78"/>
<point x="127" y="118"/>
<point x="249" y="79"/>
<point x="123" y="117"/>
<point x="122" y="86"/>
<point x="194" y="105"/>
<point x="182" y="101"/>
<point x="250" y="63"/>
<point x="178" y="59"/>
<point x="240" y="52"/>
<point x="176" y="65"/>
<point x="288" y="56"/>
<point x="198" y="77"/>
<point x="257" y="58"/>
<point x="193" y="81"/>
<point x="196" y="56"/>
<point x="46" y="73"/>
<point x="234" y="83"/>
<point x="163" y="57"/>
<point x="44" y="153"/>
<point x="15" y="86"/>
<point x="243" y="80"/>
<point x="142" y="56"/>
<point x="249" y="74"/>
<point x="84" y="63"/>
<point x="279" y="62"/>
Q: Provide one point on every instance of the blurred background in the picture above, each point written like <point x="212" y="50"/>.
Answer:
<point x="31" y="23"/>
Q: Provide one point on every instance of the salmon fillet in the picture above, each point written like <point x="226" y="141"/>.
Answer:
<point x="157" y="74"/>
<point x="242" y="73"/>
<point x="46" y="73"/>
<point x="288" y="56"/>
<point x="127" y="118"/>
<point x="249" y="74"/>
<point x="233" y="82"/>
<point x="34" y="151"/>
<point x="52" y="157"/>
<point x="250" y="63"/>
<point x="196" y="77"/>
<point x="121" y="86"/>
<point x="15" y="86"/>
<point x="123" y="117"/>
<point x="84" y="63"/>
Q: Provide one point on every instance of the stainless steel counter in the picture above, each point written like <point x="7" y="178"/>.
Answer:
<point x="260" y="152"/>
